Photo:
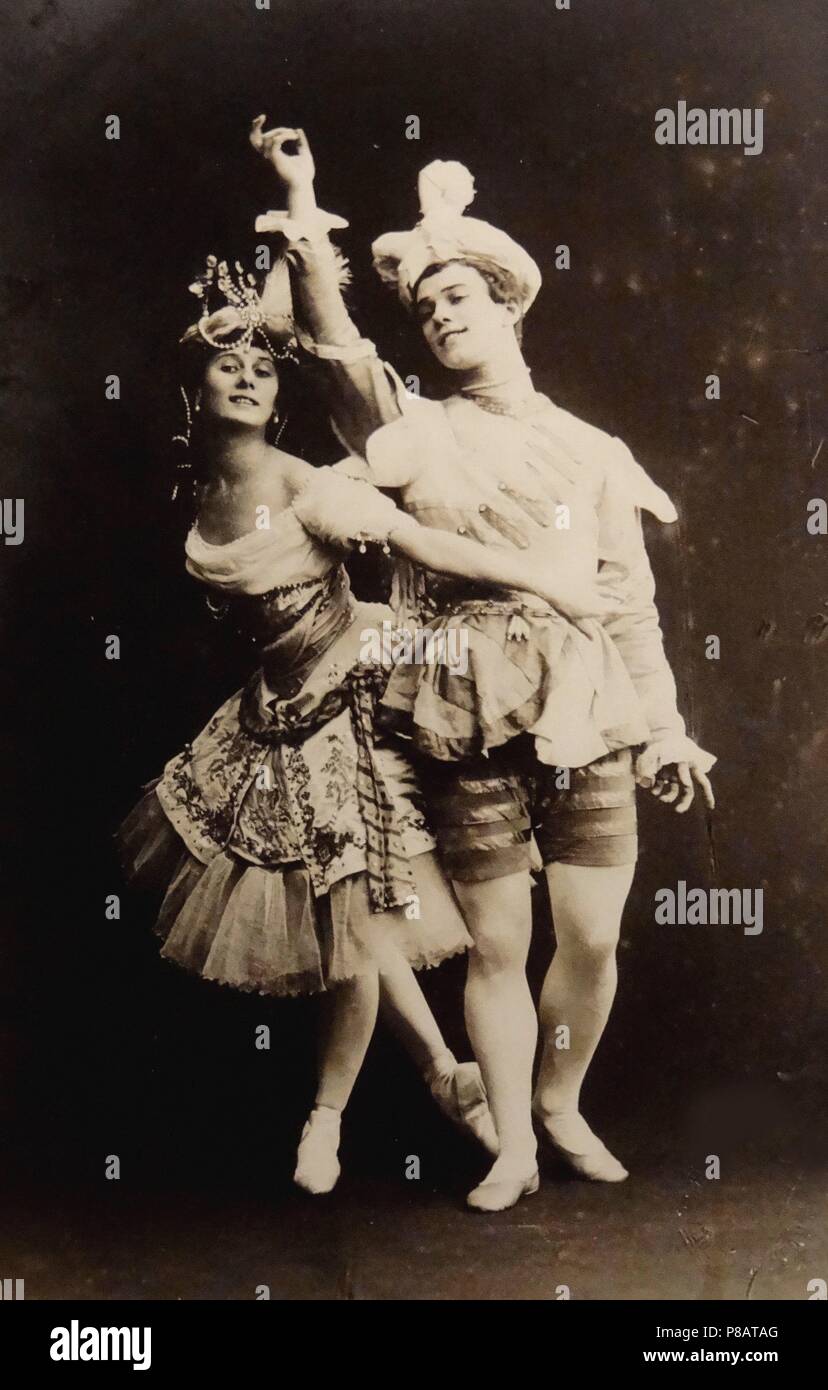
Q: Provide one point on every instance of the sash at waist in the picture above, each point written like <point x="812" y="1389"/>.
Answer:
<point x="359" y="689"/>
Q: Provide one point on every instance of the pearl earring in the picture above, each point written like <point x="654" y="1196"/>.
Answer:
<point x="280" y="430"/>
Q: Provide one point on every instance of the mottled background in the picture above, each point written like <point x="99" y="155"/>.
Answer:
<point x="685" y="261"/>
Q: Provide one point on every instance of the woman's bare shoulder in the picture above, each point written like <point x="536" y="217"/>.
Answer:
<point x="294" y="471"/>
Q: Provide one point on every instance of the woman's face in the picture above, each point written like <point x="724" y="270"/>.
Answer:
<point x="460" y="321"/>
<point x="240" y="386"/>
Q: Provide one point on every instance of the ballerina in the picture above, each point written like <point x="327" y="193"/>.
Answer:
<point x="288" y="840"/>
<point x="500" y="462"/>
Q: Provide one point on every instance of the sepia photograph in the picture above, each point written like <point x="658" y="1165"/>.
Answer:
<point x="415" y="621"/>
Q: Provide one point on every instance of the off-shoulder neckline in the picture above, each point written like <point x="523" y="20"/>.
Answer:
<point x="266" y="533"/>
<point x="257" y="531"/>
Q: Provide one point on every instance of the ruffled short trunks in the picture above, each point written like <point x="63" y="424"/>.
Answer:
<point x="486" y="812"/>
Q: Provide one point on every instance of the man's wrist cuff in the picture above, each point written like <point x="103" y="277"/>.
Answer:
<point x="347" y="353"/>
<point x="314" y="226"/>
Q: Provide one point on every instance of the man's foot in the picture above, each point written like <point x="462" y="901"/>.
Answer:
<point x="317" y="1165"/>
<point x="460" y="1093"/>
<point x="507" y="1182"/>
<point x="570" y="1136"/>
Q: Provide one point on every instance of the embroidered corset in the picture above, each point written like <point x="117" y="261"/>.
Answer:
<point x="285" y="588"/>
<point x="292" y="626"/>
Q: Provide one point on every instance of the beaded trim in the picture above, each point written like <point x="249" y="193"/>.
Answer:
<point x="502" y="608"/>
<point x="518" y="410"/>
<point x="288" y="588"/>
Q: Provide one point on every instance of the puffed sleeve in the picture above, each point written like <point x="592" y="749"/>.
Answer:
<point x="339" y="508"/>
<point x="634" y="624"/>
<point x="393" y="454"/>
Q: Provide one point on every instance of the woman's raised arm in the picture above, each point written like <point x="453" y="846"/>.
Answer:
<point x="317" y="290"/>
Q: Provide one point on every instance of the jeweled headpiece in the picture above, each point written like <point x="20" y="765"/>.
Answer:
<point x="235" y="312"/>
<point x="446" y="189"/>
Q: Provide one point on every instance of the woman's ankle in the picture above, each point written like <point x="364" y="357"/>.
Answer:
<point x="440" y="1066"/>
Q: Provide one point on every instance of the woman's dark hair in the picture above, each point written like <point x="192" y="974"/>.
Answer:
<point x="502" y="286"/>
<point x="300" y="418"/>
<point x="297" y="401"/>
<point x="302" y="427"/>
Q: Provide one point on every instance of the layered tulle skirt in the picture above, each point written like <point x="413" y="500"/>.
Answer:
<point x="262" y="850"/>
<point x="264" y="930"/>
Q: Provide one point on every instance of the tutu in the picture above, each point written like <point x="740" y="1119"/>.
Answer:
<point x="264" y="930"/>
<point x="284" y="838"/>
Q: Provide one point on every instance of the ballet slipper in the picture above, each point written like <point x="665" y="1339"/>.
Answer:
<point x="317" y="1164"/>
<point x="569" y="1135"/>
<point x="500" y="1193"/>
<point x="460" y="1093"/>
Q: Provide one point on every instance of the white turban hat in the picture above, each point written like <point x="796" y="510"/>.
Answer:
<point x="443" y="234"/>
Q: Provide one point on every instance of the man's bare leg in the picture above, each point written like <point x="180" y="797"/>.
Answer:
<point x="578" y="992"/>
<point x="501" y="1019"/>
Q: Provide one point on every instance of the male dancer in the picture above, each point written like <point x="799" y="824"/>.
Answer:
<point x="499" y="461"/>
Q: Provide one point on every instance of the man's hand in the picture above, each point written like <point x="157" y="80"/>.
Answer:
<point x="673" y="782"/>
<point x="288" y="151"/>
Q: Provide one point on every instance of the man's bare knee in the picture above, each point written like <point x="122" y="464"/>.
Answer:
<point x="587" y="906"/>
<point x="588" y="947"/>
<point x="498" y="914"/>
<point x="499" y="947"/>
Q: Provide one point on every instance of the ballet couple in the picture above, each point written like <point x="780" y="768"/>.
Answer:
<point x="341" y="823"/>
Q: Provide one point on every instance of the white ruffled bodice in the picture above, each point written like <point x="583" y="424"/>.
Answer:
<point x="304" y="542"/>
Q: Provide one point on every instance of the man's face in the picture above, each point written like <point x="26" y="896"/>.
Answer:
<point x="460" y="321"/>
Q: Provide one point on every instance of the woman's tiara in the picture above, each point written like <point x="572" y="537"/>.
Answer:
<point x="235" y="312"/>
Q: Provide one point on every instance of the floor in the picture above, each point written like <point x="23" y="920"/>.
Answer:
<point x="659" y="1236"/>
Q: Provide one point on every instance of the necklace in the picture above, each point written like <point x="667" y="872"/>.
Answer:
<point x="484" y="394"/>
<point x="526" y="405"/>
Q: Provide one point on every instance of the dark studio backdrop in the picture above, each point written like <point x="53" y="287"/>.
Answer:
<point x="685" y="261"/>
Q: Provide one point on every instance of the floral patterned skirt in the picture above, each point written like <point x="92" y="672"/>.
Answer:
<point x="260" y="851"/>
